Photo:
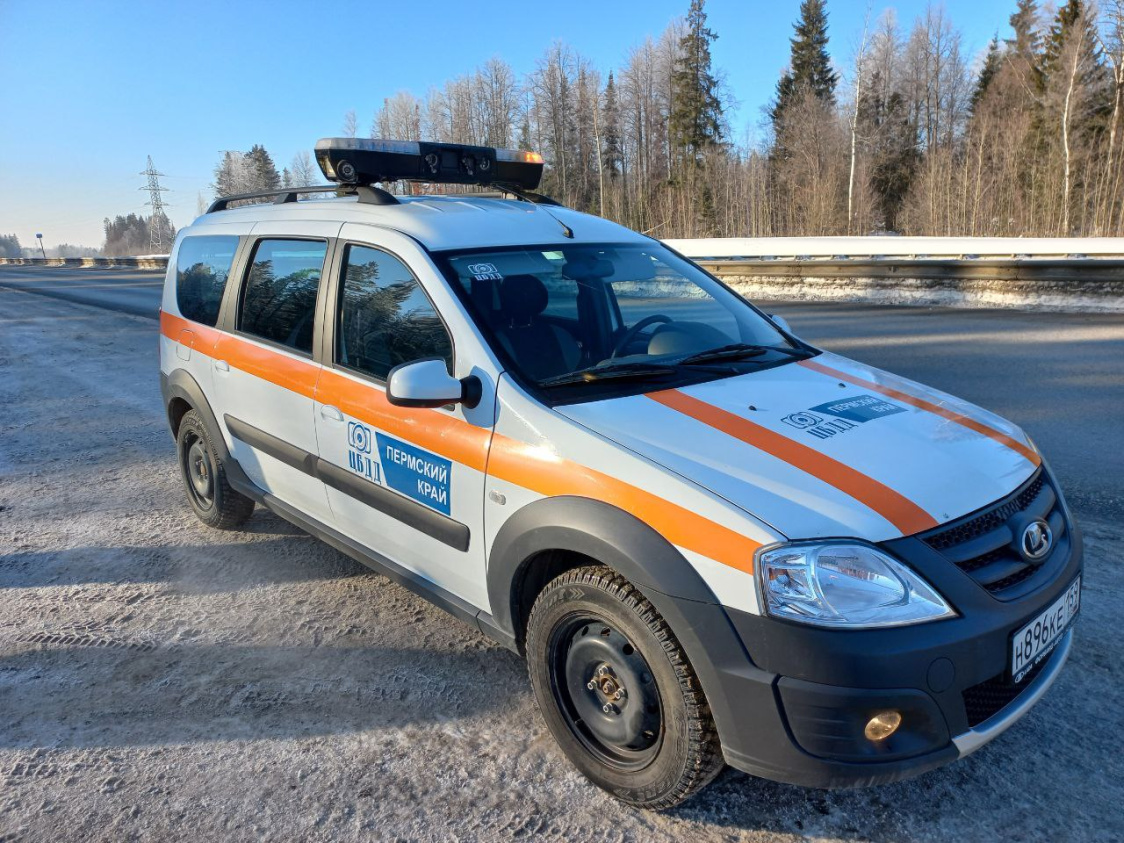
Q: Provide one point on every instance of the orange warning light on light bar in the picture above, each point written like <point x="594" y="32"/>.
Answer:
<point x="520" y="156"/>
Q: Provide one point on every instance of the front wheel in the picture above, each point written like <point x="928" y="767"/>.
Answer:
<point x="617" y="692"/>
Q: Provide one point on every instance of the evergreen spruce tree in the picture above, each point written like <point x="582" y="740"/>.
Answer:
<point x="884" y="119"/>
<point x="1024" y="21"/>
<point x="1073" y="20"/>
<point x="992" y="63"/>
<point x="810" y="66"/>
<point x="10" y="246"/>
<point x="226" y="181"/>
<point x="611" y="152"/>
<point x="1025" y="49"/>
<point x="264" y="171"/>
<point x="696" y="113"/>
<point x="525" y="141"/>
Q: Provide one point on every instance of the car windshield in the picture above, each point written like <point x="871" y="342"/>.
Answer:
<point x="569" y="316"/>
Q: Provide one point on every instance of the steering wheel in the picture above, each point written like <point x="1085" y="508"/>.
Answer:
<point x="631" y="333"/>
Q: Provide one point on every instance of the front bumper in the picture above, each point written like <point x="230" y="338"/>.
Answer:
<point x="793" y="709"/>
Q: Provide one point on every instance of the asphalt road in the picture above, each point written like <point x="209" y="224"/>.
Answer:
<point x="135" y="291"/>
<point x="1059" y="376"/>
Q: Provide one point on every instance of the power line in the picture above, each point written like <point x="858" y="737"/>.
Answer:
<point x="158" y="221"/>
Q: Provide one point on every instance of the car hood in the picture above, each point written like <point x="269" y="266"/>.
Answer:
<point x="824" y="447"/>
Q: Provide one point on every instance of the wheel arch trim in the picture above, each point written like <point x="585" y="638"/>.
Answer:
<point x="180" y="384"/>
<point x="594" y="529"/>
<point x="630" y="547"/>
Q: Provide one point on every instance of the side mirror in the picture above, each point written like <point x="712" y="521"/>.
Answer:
<point x="427" y="383"/>
<point x="781" y="323"/>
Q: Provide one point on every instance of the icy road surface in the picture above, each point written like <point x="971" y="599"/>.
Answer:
<point x="162" y="681"/>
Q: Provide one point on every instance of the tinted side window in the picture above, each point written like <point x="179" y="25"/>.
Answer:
<point x="202" y="267"/>
<point x="279" y="297"/>
<point x="385" y="316"/>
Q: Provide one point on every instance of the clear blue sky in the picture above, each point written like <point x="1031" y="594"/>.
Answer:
<point x="92" y="88"/>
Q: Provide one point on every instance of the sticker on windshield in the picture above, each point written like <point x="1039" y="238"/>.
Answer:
<point x="848" y="414"/>
<point x="484" y="272"/>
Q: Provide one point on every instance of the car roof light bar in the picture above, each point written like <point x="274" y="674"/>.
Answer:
<point x="366" y="161"/>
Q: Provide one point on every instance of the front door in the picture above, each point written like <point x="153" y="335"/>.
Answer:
<point x="407" y="483"/>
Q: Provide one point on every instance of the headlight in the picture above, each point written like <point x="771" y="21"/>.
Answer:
<point x="845" y="584"/>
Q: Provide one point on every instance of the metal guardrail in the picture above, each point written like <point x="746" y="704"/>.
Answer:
<point x="1079" y="271"/>
<point x="880" y="248"/>
<point x="131" y="262"/>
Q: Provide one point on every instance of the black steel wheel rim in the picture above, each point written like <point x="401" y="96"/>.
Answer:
<point x="198" y="470"/>
<point x="606" y="692"/>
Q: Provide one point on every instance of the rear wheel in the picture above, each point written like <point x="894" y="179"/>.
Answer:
<point x="212" y="498"/>
<point x="617" y="691"/>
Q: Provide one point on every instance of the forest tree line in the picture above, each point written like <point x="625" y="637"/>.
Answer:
<point x="10" y="247"/>
<point x="912" y="134"/>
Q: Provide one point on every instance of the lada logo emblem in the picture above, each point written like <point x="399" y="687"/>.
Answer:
<point x="1037" y="540"/>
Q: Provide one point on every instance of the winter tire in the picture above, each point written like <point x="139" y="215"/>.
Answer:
<point x="617" y="691"/>
<point x="215" y="502"/>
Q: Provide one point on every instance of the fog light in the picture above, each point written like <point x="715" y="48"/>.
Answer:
<point x="882" y="725"/>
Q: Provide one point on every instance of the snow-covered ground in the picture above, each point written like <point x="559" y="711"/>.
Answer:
<point x="162" y="681"/>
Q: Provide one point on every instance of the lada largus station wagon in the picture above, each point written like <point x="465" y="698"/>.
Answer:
<point x="713" y="542"/>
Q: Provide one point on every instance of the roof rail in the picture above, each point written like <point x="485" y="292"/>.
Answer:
<point x="283" y="195"/>
<point x="368" y="195"/>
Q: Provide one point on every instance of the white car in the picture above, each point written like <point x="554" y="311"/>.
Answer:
<point x="713" y="542"/>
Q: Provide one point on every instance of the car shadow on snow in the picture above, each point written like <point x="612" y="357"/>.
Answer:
<point x="193" y="569"/>
<point x="102" y="694"/>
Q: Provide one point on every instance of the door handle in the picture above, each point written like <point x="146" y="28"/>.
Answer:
<point x="222" y="366"/>
<point x="331" y="413"/>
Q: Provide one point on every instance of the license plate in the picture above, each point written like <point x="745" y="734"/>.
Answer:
<point x="1033" y="642"/>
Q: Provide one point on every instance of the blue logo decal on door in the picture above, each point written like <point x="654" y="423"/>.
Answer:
<point x="359" y="437"/>
<point x="359" y="452"/>
<point x="416" y="473"/>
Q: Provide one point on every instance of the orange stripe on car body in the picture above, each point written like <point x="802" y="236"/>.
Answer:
<point x="172" y="326"/>
<point x="923" y="404"/>
<point x="528" y="466"/>
<point x="538" y="469"/>
<point x="295" y="374"/>
<point x="433" y="430"/>
<point x="891" y="505"/>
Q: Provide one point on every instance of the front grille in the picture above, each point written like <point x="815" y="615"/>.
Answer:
<point x="984" y="701"/>
<point x="978" y="525"/>
<point x="984" y="545"/>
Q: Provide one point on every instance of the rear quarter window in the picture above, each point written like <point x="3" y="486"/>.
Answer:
<point x="202" y="268"/>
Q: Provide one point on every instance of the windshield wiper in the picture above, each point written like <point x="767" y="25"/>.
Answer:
<point x="737" y="351"/>
<point x="613" y="371"/>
